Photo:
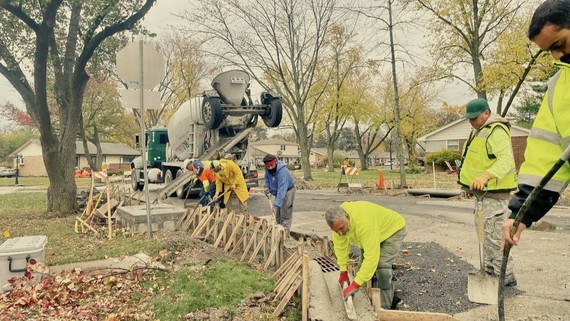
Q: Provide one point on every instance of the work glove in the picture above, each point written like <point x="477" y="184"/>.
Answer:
<point x="266" y="191"/>
<point x="480" y="182"/>
<point x="351" y="290"/>
<point x="343" y="278"/>
<point x="233" y="187"/>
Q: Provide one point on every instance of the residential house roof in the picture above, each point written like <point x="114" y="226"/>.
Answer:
<point x="106" y="147"/>
<point x="515" y="130"/>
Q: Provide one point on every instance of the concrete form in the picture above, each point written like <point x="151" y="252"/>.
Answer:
<point x="162" y="217"/>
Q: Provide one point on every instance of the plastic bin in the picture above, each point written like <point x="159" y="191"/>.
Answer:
<point x="15" y="254"/>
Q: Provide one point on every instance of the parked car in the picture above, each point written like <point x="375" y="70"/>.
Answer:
<point x="7" y="172"/>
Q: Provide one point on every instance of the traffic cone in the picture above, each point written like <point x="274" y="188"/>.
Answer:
<point x="380" y="183"/>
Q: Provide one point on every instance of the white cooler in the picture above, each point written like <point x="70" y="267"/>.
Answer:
<point x="16" y="252"/>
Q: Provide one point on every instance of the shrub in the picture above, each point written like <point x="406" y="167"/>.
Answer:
<point x="439" y="158"/>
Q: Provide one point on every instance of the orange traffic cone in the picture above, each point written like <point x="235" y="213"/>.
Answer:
<point x="380" y="183"/>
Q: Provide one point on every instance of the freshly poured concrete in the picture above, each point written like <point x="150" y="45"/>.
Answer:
<point x="325" y="298"/>
<point x="162" y="217"/>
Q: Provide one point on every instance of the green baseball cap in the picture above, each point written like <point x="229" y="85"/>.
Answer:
<point x="476" y="107"/>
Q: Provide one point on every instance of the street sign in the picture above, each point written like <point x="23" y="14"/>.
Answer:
<point x="131" y="99"/>
<point x="129" y="65"/>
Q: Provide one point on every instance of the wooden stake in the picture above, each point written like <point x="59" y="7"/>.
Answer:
<point x="305" y="290"/>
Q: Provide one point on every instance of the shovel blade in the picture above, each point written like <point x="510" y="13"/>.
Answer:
<point x="483" y="288"/>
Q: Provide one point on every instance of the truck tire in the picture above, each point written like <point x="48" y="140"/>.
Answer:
<point x="273" y="114"/>
<point x="168" y="177"/>
<point x="212" y="112"/>
<point x="135" y="184"/>
<point x="180" y="192"/>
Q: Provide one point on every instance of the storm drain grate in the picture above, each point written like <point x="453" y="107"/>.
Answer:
<point x="327" y="264"/>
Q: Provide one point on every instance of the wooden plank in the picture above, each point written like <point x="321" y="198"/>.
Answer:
<point x="103" y="210"/>
<point x="305" y="288"/>
<point x="251" y="240"/>
<point x="259" y="245"/>
<point x="394" y="315"/>
<point x="285" y="266"/>
<point x="203" y="223"/>
<point x="223" y="230"/>
<point x="243" y="237"/>
<point x="232" y="238"/>
<point x="287" y="297"/>
<point x="284" y="283"/>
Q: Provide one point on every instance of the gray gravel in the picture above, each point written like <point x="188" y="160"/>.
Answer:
<point x="432" y="279"/>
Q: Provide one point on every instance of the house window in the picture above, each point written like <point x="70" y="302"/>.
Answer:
<point x="282" y="147"/>
<point x="128" y="159"/>
<point x="453" y="145"/>
<point x="20" y="160"/>
<point x="77" y="161"/>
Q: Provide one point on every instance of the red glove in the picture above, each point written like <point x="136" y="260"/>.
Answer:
<point x="351" y="290"/>
<point x="343" y="278"/>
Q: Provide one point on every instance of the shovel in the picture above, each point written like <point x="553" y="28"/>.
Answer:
<point x="482" y="287"/>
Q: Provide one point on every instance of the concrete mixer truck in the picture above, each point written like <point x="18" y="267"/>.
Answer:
<point x="209" y="126"/>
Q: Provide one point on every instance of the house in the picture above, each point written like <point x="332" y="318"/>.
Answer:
<point x="454" y="135"/>
<point x="288" y="152"/>
<point x="31" y="163"/>
<point x="316" y="157"/>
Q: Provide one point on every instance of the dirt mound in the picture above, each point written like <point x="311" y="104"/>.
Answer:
<point x="302" y="184"/>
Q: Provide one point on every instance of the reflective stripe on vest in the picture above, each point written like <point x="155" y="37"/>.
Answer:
<point x="477" y="162"/>
<point x="545" y="142"/>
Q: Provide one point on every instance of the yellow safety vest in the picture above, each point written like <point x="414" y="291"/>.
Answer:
<point x="550" y="134"/>
<point x="477" y="160"/>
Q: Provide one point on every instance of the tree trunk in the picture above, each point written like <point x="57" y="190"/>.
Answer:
<point x="60" y="165"/>
<point x="305" y="152"/>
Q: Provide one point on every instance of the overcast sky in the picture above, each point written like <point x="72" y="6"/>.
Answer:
<point x="158" y="20"/>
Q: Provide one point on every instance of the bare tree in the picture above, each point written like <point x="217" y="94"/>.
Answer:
<point x="65" y="35"/>
<point x="279" y="43"/>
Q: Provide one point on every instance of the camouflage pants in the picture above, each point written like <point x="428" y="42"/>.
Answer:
<point x="242" y="205"/>
<point x="495" y="213"/>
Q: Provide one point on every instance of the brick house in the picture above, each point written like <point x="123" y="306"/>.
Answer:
<point x="454" y="135"/>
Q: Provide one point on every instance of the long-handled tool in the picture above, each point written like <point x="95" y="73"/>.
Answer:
<point x="518" y="219"/>
<point x="481" y="287"/>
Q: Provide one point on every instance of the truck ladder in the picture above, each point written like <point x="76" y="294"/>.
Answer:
<point x="217" y="151"/>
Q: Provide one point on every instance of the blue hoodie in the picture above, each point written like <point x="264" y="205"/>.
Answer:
<point x="278" y="183"/>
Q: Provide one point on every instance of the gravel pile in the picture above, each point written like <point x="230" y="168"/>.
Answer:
<point x="432" y="279"/>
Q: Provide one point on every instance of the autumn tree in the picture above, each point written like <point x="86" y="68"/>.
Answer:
<point x="186" y="69"/>
<point x="104" y="119"/>
<point x="373" y="121"/>
<point x="53" y="41"/>
<point x="277" y="42"/>
<point x="14" y="114"/>
<point x="485" y="37"/>
<point x="449" y="113"/>
<point x="388" y="14"/>
<point x="341" y="64"/>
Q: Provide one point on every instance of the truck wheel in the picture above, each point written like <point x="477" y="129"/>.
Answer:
<point x="168" y="177"/>
<point x="212" y="112"/>
<point x="180" y="192"/>
<point x="135" y="184"/>
<point x="273" y="114"/>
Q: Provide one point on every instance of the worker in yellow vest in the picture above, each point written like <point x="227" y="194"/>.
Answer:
<point x="550" y="135"/>
<point x="488" y="169"/>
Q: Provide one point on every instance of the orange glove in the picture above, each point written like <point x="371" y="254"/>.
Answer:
<point x="480" y="182"/>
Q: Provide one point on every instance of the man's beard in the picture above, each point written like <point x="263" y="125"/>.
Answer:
<point x="273" y="170"/>
<point x="565" y="59"/>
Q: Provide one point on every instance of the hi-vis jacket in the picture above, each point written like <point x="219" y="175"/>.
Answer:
<point x="370" y="225"/>
<point x="489" y="149"/>
<point x="550" y="134"/>
<point x="549" y="137"/>
<point x="229" y="175"/>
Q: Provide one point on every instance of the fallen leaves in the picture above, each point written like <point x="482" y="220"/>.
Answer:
<point x="74" y="295"/>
